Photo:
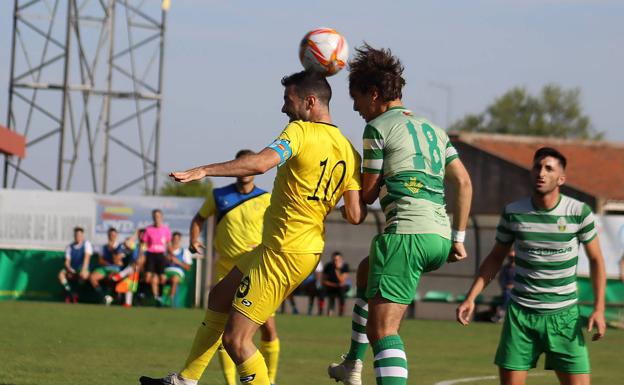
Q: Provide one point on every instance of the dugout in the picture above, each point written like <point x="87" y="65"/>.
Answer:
<point x="37" y="226"/>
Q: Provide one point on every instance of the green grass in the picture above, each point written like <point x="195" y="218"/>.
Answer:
<point x="50" y="344"/>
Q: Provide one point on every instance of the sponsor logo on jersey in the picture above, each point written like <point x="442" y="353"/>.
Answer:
<point x="413" y="185"/>
<point x="246" y="302"/>
<point x="544" y="252"/>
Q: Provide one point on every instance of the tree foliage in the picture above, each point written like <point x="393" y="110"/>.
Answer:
<point x="554" y="112"/>
<point x="192" y="189"/>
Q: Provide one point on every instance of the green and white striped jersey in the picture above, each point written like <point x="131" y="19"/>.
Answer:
<point x="412" y="154"/>
<point x="546" y="244"/>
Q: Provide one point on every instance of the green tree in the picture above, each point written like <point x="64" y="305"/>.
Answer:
<point x="554" y="112"/>
<point x="192" y="189"/>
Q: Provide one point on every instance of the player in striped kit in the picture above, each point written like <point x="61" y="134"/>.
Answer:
<point x="407" y="161"/>
<point x="543" y="317"/>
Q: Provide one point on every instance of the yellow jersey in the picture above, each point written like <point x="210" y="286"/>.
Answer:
<point x="318" y="165"/>
<point x="239" y="219"/>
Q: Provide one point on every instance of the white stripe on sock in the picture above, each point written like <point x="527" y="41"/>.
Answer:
<point x="390" y="353"/>
<point x="358" y="319"/>
<point x="391" y="371"/>
<point x="361" y="303"/>
<point x="359" y="337"/>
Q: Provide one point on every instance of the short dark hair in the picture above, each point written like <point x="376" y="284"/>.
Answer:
<point x="549" y="151"/>
<point x="111" y="230"/>
<point x="179" y="234"/>
<point x="309" y="83"/>
<point x="78" y="229"/>
<point x="373" y="68"/>
<point x="156" y="211"/>
<point x="244" y="152"/>
<point x="336" y="253"/>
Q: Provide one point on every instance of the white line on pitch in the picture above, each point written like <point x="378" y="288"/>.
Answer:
<point x="471" y="379"/>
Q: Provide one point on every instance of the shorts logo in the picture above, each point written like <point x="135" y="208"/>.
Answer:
<point x="246" y="302"/>
<point x="247" y="378"/>
<point x="243" y="288"/>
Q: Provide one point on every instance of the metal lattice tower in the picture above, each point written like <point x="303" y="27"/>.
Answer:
<point x="86" y="92"/>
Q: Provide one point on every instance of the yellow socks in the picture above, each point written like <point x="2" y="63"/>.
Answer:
<point x="254" y="371"/>
<point x="207" y="340"/>
<point x="228" y="366"/>
<point x="270" y="351"/>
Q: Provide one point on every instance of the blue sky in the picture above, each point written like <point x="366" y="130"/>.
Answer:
<point x="224" y="61"/>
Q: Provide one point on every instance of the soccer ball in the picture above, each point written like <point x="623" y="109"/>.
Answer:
<point x="323" y="50"/>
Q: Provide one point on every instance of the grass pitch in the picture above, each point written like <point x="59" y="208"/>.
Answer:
<point x="58" y="344"/>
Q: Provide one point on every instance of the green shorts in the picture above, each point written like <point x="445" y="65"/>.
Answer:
<point x="106" y="270"/>
<point x="397" y="262"/>
<point x="177" y="271"/>
<point x="527" y="334"/>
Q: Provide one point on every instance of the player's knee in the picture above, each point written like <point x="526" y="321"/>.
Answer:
<point x="233" y="343"/>
<point x="268" y="332"/>
<point x="377" y="332"/>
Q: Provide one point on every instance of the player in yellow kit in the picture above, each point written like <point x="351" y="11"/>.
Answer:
<point x="239" y="209"/>
<point x="317" y="167"/>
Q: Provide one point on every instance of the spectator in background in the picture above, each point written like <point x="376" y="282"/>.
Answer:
<point x="110" y="261"/>
<point x="505" y="280"/>
<point x="157" y="238"/>
<point x="335" y="285"/>
<point x="128" y="278"/>
<point x="77" y="258"/>
<point x="180" y="262"/>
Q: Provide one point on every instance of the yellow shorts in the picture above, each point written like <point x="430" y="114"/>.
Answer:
<point x="222" y="267"/>
<point x="268" y="279"/>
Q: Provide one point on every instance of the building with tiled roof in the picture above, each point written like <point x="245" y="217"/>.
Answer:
<point x="500" y="164"/>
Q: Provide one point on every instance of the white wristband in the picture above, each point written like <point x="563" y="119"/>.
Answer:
<point x="458" y="236"/>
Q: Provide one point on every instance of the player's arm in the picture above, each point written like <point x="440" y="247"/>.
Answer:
<point x="84" y="273"/>
<point x="68" y="260"/>
<point x="354" y="209"/>
<point x="371" y="184"/>
<point x="327" y="282"/>
<point x="101" y="260"/>
<point x="118" y="258"/>
<point x="184" y="263"/>
<point x="599" y="281"/>
<point x="488" y="270"/>
<point x="457" y="175"/>
<point x="252" y="164"/>
<point x="196" y="246"/>
<point x="342" y="277"/>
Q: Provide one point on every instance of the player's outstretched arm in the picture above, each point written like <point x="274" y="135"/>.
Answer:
<point x="599" y="282"/>
<point x="488" y="270"/>
<point x="354" y="210"/>
<point x="457" y="175"/>
<point x="247" y="165"/>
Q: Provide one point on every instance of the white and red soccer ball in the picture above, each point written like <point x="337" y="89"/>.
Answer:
<point x="323" y="50"/>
